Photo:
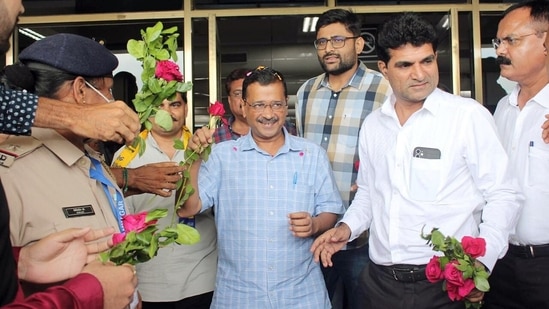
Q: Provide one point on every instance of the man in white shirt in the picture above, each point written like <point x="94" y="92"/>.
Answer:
<point x="428" y="159"/>
<point x="521" y="278"/>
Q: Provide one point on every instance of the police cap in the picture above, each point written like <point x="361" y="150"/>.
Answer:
<point x="73" y="54"/>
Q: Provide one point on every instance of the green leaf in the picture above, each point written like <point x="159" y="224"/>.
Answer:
<point x="148" y="125"/>
<point x="164" y="120"/>
<point x="482" y="284"/>
<point x="161" y="54"/>
<point x="156" y="214"/>
<point x="170" y="30"/>
<point x="178" y="144"/>
<point x="136" y="48"/>
<point x="152" y="33"/>
<point x="184" y="87"/>
<point x="142" y="146"/>
<point x="187" y="235"/>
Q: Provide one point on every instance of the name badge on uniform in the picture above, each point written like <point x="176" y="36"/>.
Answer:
<point x="78" y="211"/>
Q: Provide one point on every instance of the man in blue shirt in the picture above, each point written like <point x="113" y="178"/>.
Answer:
<point x="271" y="193"/>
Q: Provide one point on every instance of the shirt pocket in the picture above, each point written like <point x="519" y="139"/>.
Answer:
<point x="538" y="165"/>
<point x="424" y="179"/>
<point x="302" y="198"/>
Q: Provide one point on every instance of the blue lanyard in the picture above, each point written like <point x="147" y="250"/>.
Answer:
<point x="116" y="200"/>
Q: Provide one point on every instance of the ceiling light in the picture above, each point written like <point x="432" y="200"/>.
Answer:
<point x="309" y="24"/>
<point x="31" y="34"/>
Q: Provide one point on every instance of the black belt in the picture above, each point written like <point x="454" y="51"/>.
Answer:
<point x="529" y="251"/>
<point x="405" y="272"/>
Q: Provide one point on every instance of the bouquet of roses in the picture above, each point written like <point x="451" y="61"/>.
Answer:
<point x="458" y="266"/>
<point x="141" y="239"/>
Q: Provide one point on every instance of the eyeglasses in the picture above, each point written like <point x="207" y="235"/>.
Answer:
<point x="337" y="41"/>
<point x="99" y="92"/>
<point x="260" y="107"/>
<point x="512" y="41"/>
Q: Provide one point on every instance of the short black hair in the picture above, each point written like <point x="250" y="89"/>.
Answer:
<point x="401" y="29"/>
<point x="350" y="20"/>
<point x="235" y="74"/>
<point x="539" y="9"/>
<point x="264" y="76"/>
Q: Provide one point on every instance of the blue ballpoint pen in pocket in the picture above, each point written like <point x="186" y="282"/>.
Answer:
<point x="295" y="179"/>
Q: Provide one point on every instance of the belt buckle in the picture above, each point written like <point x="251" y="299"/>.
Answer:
<point x="394" y="274"/>
<point x="531" y="250"/>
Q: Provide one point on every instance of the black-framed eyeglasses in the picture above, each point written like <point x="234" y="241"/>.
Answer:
<point x="338" y="41"/>
<point x="512" y="40"/>
<point x="259" y="107"/>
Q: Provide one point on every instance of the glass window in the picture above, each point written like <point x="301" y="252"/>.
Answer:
<point x="494" y="87"/>
<point x="49" y="7"/>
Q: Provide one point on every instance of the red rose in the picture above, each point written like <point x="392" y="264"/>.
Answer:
<point x="168" y="71"/>
<point x="459" y="292"/>
<point x="357" y="164"/>
<point x="216" y="109"/>
<point x="474" y="247"/>
<point x="433" y="270"/>
<point x="118" y="238"/>
<point x="452" y="291"/>
<point x="466" y="288"/>
<point x="136" y="222"/>
<point x="452" y="274"/>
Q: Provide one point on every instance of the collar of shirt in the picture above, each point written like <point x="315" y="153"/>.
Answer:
<point x="431" y="104"/>
<point x="356" y="80"/>
<point x="60" y="146"/>
<point x="291" y="143"/>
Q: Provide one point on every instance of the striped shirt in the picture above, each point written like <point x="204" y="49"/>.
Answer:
<point x="333" y="119"/>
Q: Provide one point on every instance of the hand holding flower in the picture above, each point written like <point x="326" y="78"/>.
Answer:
<point x="465" y="278"/>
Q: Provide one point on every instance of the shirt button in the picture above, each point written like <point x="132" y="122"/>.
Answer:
<point x="335" y="95"/>
<point x="271" y="213"/>
<point x="271" y="186"/>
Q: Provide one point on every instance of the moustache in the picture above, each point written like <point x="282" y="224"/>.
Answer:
<point x="330" y="55"/>
<point x="264" y="120"/>
<point x="503" y="60"/>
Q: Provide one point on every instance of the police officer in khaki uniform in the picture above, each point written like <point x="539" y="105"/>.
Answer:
<point x="52" y="180"/>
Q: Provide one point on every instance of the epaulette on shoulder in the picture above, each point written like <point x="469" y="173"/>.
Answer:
<point x="15" y="147"/>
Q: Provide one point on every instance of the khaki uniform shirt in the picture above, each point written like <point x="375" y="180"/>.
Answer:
<point x="48" y="188"/>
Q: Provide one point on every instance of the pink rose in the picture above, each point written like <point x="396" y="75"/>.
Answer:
<point x="459" y="292"/>
<point x="168" y="71"/>
<point x="452" y="291"/>
<point x="452" y="274"/>
<point x="466" y="288"/>
<point x="118" y="238"/>
<point x="433" y="270"/>
<point x="136" y="222"/>
<point x="357" y="165"/>
<point x="216" y="109"/>
<point x="474" y="247"/>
